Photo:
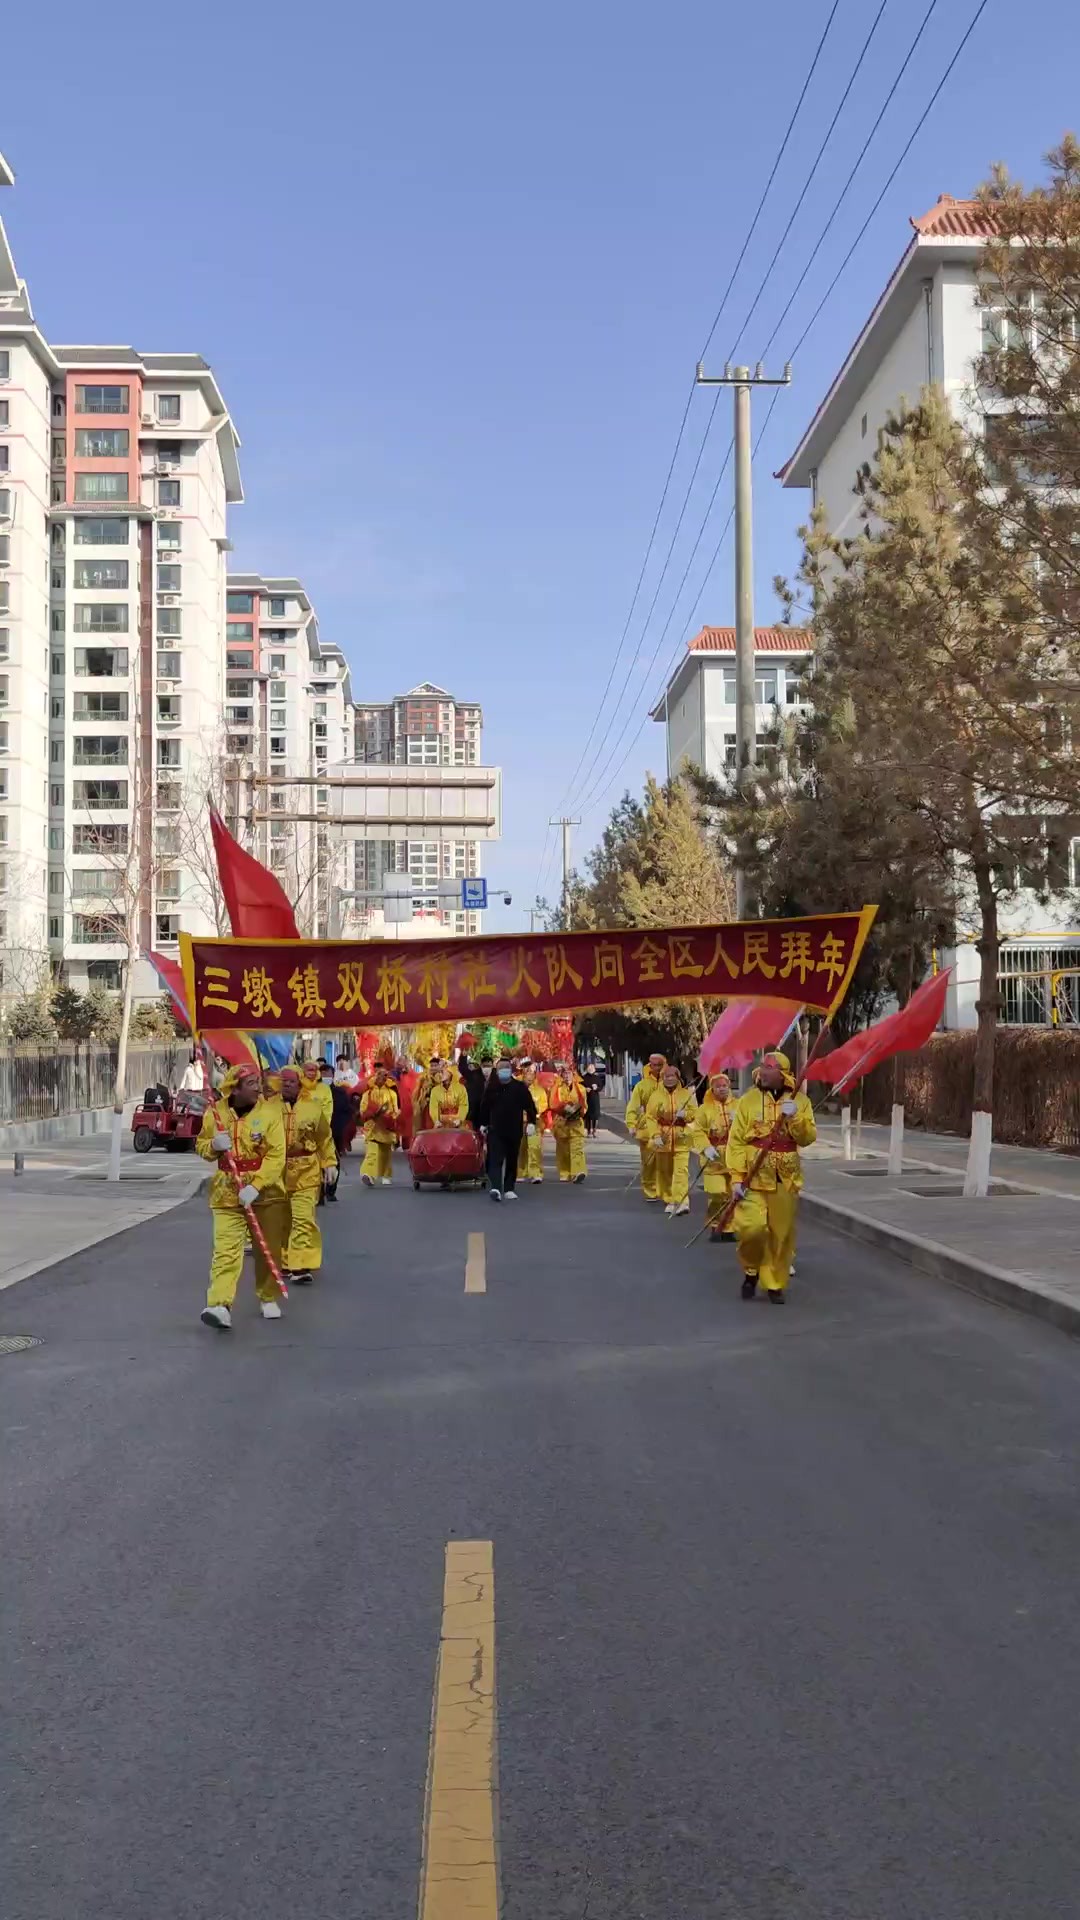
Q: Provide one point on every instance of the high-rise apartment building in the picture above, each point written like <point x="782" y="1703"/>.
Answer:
<point x="288" y="712"/>
<point x="116" y="471"/>
<point x="426" y="727"/>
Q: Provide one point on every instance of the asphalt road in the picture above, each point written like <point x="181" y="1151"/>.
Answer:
<point x="786" y="1603"/>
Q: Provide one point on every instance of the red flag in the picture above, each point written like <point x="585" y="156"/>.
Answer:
<point x="901" y="1032"/>
<point x="225" y="1041"/>
<point x="257" y="903"/>
<point x="743" y="1029"/>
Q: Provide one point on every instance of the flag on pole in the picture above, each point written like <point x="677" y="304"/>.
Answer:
<point x="257" y="903"/>
<point x="901" y="1032"/>
<point x="744" y="1028"/>
<point x="231" y="1045"/>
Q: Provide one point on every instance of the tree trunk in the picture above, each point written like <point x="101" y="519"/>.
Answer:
<point x="977" y="1177"/>
<point x="896" y="1127"/>
<point x="120" y="1088"/>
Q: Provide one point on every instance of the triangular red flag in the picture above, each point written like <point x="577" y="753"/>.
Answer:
<point x="901" y="1032"/>
<point x="743" y="1029"/>
<point x="258" y="905"/>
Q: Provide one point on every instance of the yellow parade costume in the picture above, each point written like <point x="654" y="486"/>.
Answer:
<point x="714" y="1118"/>
<point x="531" y="1157"/>
<point x="309" y="1153"/>
<point x="635" y="1120"/>
<point x="449" y="1106"/>
<point x="764" y="1218"/>
<point x="670" y="1118"/>
<point x="312" y="1088"/>
<point x="569" y="1128"/>
<point x="258" y="1150"/>
<point x="378" y="1117"/>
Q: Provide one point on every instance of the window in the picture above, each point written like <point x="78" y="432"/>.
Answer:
<point x="101" y="616"/>
<point x="320" y="709"/>
<point x="277" y="743"/>
<point x="240" y="716"/>
<point x="101" y="486"/>
<point x="3" y="689"/>
<point x="277" y="690"/>
<point x="239" y="603"/>
<point x="169" y="885"/>
<point x="105" y="973"/>
<point x="99" y="706"/>
<point x="5" y="459"/>
<point x="276" y="609"/>
<point x="277" y="803"/>
<point x="168" y="622"/>
<point x="56" y="795"/>
<point x="56" y="709"/>
<point x="54" y="927"/>
<point x="168" y="799"/>
<point x="167" y="453"/>
<point x="5" y="549"/>
<point x="5" y="364"/>
<point x="88" y="883"/>
<point x="102" y="399"/>
<point x="168" y="709"/>
<point x="238" y="630"/>
<point x="3" y="736"/>
<point x="244" y="660"/>
<point x="167" y="927"/>
<point x="168" y="666"/>
<point x="168" y="493"/>
<point x="3" y="830"/>
<point x="168" y="533"/>
<point x="4" y="417"/>
<point x="5" y="503"/>
<point x="98" y="443"/>
<point x="238" y="689"/>
<point x="99" y="793"/>
<point x="58" y="620"/>
<point x="98" y="749"/>
<point x="168" y="579"/>
<point x="731" y="745"/>
<point x="100" y="533"/>
<point x="101" y="663"/>
<point x="100" y="573"/>
<point x="794" y="689"/>
<point x="168" y="753"/>
<point x="93" y="928"/>
<point x="168" y="406"/>
<point x="320" y="753"/>
<point x="5" y="643"/>
<point x="278" y="717"/>
<point x="1007" y="435"/>
<point x="167" y="837"/>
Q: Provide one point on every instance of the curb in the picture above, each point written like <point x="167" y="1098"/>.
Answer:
<point x="616" y="1124"/>
<point x="55" y="1258"/>
<point x="942" y="1263"/>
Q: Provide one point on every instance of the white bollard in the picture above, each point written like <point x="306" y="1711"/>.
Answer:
<point x="977" y="1175"/>
<point x="846" y="1144"/>
<point x="896" y="1143"/>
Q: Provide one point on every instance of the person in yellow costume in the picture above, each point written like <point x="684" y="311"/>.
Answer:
<point x="310" y="1163"/>
<point x="670" y="1120"/>
<point x="316" y="1088"/>
<point x="567" y="1103"/>
<point x="448" y="1102"/>
<point x="635" y="1120"/>
<point x="774" y="1116"/>
<point x="271" y="1084"/>
<point x="378" y="1117"/>
<point x="715" y="1114"/>
<point x="241" y="1123"/>
<point x="531" y="1157"/>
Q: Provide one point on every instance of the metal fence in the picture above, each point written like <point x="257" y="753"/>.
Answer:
<point x="40" y="1083"/>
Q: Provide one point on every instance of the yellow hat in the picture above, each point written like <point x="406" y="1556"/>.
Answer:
<point x="236" y="1074"/>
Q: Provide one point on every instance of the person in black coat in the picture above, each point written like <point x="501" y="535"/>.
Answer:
<point x="506" y="1109"/>
<point x="474" y="1082"/>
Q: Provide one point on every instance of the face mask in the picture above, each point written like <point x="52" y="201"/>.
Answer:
<point x="504" y="1073"/>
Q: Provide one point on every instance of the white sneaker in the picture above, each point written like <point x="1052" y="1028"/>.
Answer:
<point x="683" y="1207"/>
<point x="511" y="1195"/>
<point x="670" y="1208"/>
<point x="388" y="1182"/>
<point x="366" y="1180"/>
<point x="218" y="1317"/>
<point x="537" y="1180"/>
<point x="271" y="1310"/>
<point x="495" y="1193"/>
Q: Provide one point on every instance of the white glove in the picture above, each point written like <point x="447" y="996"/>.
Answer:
<point x="530" y="1130"/>
<point x="221" y="1142"/>
<point x="330" y="1176"/>
<point x="788" y="1106"/>
<point x="657" y="1144"/>
<point x="711" y="1153"/>
<point x="738" y="1191"/>
<point x="248" y="1195"/>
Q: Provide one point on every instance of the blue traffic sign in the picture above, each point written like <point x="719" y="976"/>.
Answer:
<point x="474" y="895"/>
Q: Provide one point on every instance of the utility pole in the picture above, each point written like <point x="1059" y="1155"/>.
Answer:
<point x="741" y="379"/>
<point x="565" y="823"/>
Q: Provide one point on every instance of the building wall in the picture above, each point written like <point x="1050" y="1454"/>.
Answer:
<point x="24" y="672"/>
<point x="424" y="727"/>
<point x="701" y="723"/>
<point x="902" y="375"/>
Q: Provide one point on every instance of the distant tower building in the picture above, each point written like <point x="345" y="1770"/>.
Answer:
<point x="426" y="727"/>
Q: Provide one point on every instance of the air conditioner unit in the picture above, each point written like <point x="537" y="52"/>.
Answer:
<point x="148" y="420"/>
<point x="168" y="599"/>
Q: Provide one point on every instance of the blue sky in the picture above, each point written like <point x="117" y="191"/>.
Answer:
<point x="453" y="268"/>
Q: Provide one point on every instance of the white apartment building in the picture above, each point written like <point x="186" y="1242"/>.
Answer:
<point x="928" y="330"/>
<point x="698" y="707"/>
<point x="426" y="727"/>
<point x="288" y="713"/>
<point x="116" y="471"/>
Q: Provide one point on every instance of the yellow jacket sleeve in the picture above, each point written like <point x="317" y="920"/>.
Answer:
<point x="211" y="1124"/>
<point x="324" y="1142"/>
<point x="742" y="1150"/>
<point x="801" y="1124"/>
<point x="272" y="1171"/>
<point x="633" y="1107"/>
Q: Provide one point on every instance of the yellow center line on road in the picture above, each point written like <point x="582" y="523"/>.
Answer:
<point x="459" y="1877"/>
<point x="475" y="1264"/>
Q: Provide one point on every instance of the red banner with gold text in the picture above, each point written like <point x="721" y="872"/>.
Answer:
<point x="266" y="984"/>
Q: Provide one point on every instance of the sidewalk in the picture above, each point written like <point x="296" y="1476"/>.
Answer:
<point x="1020" y="1246"/>
<point x="62" y="1203"/>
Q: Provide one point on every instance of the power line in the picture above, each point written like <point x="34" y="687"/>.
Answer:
<point x="682" y="430"/>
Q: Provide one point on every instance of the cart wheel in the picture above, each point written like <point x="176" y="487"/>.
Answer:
<point x="416" y="1186"/>
<point x="142" y="1139"/>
